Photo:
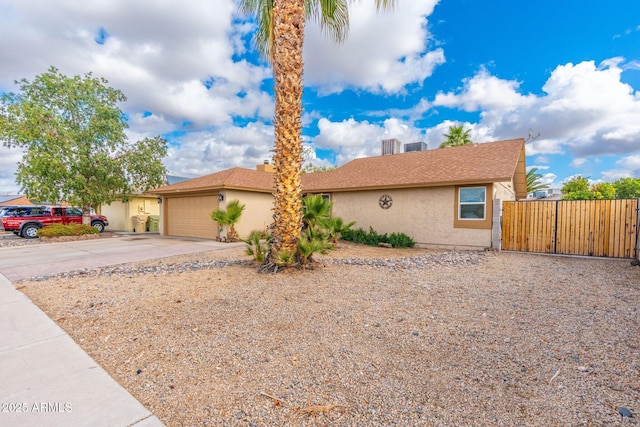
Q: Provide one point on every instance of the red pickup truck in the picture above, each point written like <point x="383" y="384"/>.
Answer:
<point x="26" y="222"/>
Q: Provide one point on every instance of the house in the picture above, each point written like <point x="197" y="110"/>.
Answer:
<point x="121" y="213"/>
<point x="187" y="205"/>
<point x="441" y="198"/>
<point x="14" y="200"/>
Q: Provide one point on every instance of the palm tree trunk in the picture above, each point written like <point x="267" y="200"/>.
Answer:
<point x="288" y="18"/>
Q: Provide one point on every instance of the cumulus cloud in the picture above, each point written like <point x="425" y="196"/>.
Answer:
<point x="586" y="110"/>
<point x="351" y="139"/>
<point x="205" y="152"/>
<point x="373" y="58"/>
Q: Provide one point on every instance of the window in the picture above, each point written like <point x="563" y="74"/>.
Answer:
<point x="472" y="203"/>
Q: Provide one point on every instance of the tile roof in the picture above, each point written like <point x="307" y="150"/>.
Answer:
<point x="477" y="163"/>
<point x="234" y="178"/>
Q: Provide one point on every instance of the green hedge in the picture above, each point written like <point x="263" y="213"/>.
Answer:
<point x="372" y="238"/>
<point x="58" y="230"/>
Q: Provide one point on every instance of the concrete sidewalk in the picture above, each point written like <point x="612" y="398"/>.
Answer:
<point x="46" y="379"/>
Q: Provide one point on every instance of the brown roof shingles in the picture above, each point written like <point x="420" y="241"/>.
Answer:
<point x="477" y="163"/>
<point x="486" y="162"/>
<point x="234" y="178"/>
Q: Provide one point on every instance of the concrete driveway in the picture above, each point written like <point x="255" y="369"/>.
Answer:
<point x="47" y="379"/>
<point x="23" y="262"/>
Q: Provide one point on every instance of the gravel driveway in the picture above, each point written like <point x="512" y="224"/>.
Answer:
<point x="372" y="337"/>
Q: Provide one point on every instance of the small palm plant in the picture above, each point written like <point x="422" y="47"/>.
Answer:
<point x="316" y="210"/>
<point x="257" y="249"/>
<point x="229" y="217"/>
<point x="312" y="241"/>
<point x="336" y="226"/>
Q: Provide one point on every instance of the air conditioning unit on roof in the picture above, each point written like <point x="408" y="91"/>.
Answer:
<point x="391" y="146"/>
<point x="415" y="146"/>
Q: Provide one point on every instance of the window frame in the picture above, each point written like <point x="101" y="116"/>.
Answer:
<point x="480" y="223"/>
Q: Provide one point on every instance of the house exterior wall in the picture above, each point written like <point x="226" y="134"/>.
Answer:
<point x="120" y="213"/>
<point x="424" y="214"/>
<point x="258" y="213"/>
<point x="189" y="215"/>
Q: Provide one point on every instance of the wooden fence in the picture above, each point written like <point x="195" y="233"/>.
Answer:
<point x="604" y="228"/>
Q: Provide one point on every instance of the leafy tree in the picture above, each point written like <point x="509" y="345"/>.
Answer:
<point x="456" y="137"/>
<point x="580" y="195"/>
<point x="576" y="184"/>
<point x="627" y="188"/>
<point x="307" y="164"/>
<point x="604" y="190"/>
<point x="533" y="181"/>
<point x="229" y="217"/>
<point x="75" y="149"/>
<point x="280" y="37"/>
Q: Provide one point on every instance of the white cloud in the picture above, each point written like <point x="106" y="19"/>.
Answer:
<point x="587" y="110"/>
<point x="9" y="158"/>
<point x="205" y="152"/>
<point x="352" y="139"/>
<point x="383" y="51"/>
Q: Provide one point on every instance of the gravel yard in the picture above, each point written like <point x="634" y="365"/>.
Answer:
<point x="371" y="337"/>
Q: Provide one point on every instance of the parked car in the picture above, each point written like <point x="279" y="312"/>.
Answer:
<point x="25" y="221"/>
<point x="12" y="210"/>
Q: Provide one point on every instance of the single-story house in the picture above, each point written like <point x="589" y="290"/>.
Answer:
<point x="441" y="198"/>
<point x="121" y="213"/>
<point x="187" y="205"/>
<point x="14" y="199"/>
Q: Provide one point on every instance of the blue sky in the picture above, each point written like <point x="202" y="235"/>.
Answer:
<point x="565" y="72"/>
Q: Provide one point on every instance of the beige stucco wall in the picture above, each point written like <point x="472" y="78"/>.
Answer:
<point x="425" y="214"/>
<point x="257" y="214"/>
<point x="504" y="191"/>
<point x="120" y="213"/>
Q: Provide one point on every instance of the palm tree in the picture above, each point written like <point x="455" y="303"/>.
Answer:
<point x="280" y="38"/>
<point x="229" y="217"/>
<point x="456" y="137"/>
<point x="533" y="181"/>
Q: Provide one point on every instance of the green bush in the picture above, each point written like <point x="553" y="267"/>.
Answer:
<point x="372" y="238"/>
<point x="59" y="230"/>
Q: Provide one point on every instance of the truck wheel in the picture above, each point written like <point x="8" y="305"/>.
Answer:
<point x="99" y="225"/>
<point x="30" y="231"/>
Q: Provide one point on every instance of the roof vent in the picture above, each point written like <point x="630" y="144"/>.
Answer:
<point x="415" y="146"/>
<point x="391" y="146"/>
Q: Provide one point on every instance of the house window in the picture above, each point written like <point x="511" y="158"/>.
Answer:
<point x="472" y="203"/>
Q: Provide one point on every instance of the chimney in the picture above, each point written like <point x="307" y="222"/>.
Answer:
<point x="265" y="167"/>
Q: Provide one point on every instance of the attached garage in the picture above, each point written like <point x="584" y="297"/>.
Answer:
<point x="191" y="216"/>
<point x="187" y="205"/>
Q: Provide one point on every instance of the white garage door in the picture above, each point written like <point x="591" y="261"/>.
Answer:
<point x="191" y="216"/>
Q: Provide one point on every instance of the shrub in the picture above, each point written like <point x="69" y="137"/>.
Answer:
<point x="372" y="238"/>
<point x="59" y="230"/>
<point x="257" y="249"/>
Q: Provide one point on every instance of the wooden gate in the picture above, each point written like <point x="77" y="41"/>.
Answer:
<point x="605" y="228"/>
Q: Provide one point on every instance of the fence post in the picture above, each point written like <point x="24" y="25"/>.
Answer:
<point x="496" y="225"/>
<point x="638" y="230"/>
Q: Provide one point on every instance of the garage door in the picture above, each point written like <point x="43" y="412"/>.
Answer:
<point x="191" y="216"/>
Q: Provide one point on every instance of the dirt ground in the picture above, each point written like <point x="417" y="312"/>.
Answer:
<point x="369" y="337"/>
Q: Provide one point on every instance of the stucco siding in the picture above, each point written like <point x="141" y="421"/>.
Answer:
<point x="425" y="214"/>
<point x="257" y="214"/>
<point x="119" y="213"/>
